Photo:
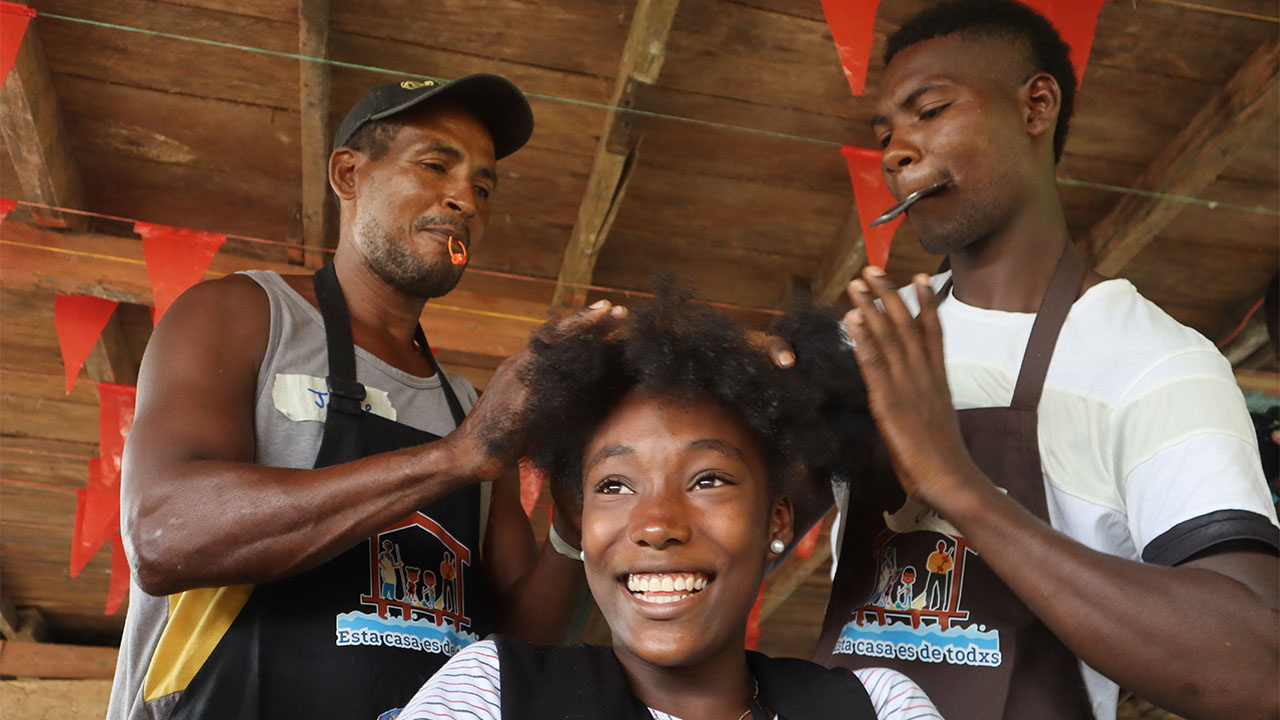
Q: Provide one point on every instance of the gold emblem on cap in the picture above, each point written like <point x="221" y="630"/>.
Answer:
<point x="417" y="84"/>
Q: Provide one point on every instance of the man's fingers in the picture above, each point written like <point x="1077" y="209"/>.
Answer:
<point x="930" y="328"/>
<point x="600" y="310"/>
<point x="884" y="291"/>
<point x="779" y="351"/>
<point x="906" y="330"/>
<point x="870" y="360"/>
<point x="876" y="324"/>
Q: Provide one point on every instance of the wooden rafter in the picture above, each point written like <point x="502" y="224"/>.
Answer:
<point x="115" y="357"/>
<point x="38" y="260"/>
<point x="1230" y="121"/>
<point x="26" y="624"/>
<point x="36" y="138"/>
<point x="48" y="660"/>
<point x="616" y="150"/>
<point x="845" y="259"/>
<point x="313" y="79"/>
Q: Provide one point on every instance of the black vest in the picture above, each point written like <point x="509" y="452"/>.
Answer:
<point x="586" y="682"/>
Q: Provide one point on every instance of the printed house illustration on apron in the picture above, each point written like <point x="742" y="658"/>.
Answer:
<point x="417" y="592"/>
<point x="916" y="604"/>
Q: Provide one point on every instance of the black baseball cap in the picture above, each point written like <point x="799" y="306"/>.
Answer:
<point x="496" y="102"/>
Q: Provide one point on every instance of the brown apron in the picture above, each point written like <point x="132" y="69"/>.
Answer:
<point x="912" y="595"/>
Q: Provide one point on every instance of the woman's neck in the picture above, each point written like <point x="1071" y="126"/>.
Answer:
<point x="717" y="688"/>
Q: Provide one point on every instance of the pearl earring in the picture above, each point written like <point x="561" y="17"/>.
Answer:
<point x="582" y="555"/>
<point x="777" y="546"/>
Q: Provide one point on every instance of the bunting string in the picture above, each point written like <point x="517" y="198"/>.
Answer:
<point x="1213" y="205"/>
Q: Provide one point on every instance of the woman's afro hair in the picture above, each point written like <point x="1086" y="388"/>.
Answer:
<point x="811" y="420"/>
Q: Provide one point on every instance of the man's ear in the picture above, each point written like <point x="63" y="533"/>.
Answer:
<point x="342" y="172"/>
<point x="1043" y="101"/>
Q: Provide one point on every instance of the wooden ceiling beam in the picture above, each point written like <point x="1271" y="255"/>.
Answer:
<point x="1229" y="122"/>
<point x="845" y="258"/>
<point x="47" y="660"/>
<point x="314" y="105"/>
<point x="36" y="138"/>
<point x="33" y="259"/>
<point x="616" y="149"/>
<point x="26" y="624"/>
<point x="117" y="355"/>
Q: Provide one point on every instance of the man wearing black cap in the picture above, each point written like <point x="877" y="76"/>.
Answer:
<point x="298" y="455"/>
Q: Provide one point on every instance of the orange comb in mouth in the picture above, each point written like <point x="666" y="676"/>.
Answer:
<point x="458" y="256"/>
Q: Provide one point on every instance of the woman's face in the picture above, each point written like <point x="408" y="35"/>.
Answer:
<point x="676" y="524"/>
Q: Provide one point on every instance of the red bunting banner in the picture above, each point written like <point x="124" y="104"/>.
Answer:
<point x="81" y="550"/>
<point x="872" y="198"/>
<point x="176" y="260"/>
<point x="13" y="26"/>
<point x="78" y="321"/>
<point x="531" y="480"/>
<point x="119" y="586"/>
<point x="852" y="24"/>
<point x="753" y="621"/>
<point x="99" y="520"/>
<point x="116" y="405"/>
<point x="809" y="542"/>
<point x="7" y="206"/>
<point x="1075" y="21"/>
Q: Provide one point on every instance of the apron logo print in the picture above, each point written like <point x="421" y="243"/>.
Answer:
<point x="915" y="605"/>
<point x="416" y="607"/>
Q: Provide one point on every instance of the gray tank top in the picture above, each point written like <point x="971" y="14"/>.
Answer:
<point x="292" y="396"/>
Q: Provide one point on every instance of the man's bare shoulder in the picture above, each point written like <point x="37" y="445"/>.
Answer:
<point x="231" y="314"/>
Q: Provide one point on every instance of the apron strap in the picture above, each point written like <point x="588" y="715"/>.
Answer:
<point x="1063" y="290"/>
<point x="346" y="394"/>
<point x="455" y="407"/>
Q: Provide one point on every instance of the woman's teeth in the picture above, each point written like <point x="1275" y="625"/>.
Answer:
<point x="665" y="587"/>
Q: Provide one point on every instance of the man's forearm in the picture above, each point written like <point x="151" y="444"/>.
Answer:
<point x="230" y="523"/>
<point x="1189" y="639"/>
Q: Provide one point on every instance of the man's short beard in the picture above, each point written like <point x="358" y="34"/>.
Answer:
<point x="398" y="266"/>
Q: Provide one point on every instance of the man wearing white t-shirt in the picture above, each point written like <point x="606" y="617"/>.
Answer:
<point x="1086" y="461"/>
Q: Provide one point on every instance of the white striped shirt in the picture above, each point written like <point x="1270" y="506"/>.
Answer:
<point x="469" y="687"/>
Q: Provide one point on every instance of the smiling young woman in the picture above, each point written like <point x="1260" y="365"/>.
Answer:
<point x="682" y="442"/>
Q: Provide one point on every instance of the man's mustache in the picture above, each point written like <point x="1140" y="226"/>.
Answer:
<point x="435" y="222"/>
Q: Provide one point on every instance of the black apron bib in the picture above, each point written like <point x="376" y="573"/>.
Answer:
<point x="586" y="682"/>
<point x="358" y="635"/>
<point x="909" y="592"/>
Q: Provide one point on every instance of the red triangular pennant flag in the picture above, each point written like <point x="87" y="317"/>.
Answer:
<point x="13" y="26"/>
<point x="7" y="206"/>
<point x="1075" y="21"/>
<point x="872" y="198"/>
<point x="116" y="405"/>
<point x="852" y="24"/>
<point x="530" y="485"/>
<point x="176" y="260"/>
<point x="119" y="586"/>
<point x="809" y="542"/>
<point x="81" y="552"/>
<point x="78" y="321"/>
<point x="101" y="512"/>
<point x="753" y="621"/>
